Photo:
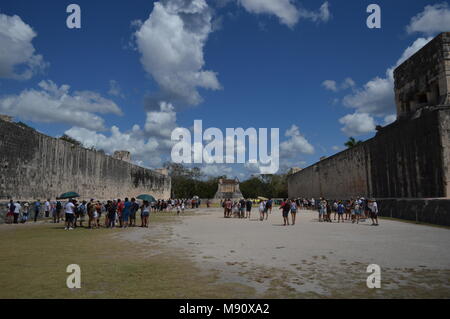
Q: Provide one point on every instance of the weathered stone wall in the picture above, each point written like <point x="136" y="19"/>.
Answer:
<point x="36" y="166"/>
<point x="444" y="123"/>
<point x="431" y="211"/>
<point x="424" y="79"/>
<point x="404" y="160"/>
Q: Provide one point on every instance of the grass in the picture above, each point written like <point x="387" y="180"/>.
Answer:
<point x="33" y="261"/>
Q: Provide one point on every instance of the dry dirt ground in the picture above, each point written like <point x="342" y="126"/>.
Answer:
<point x="313" y="259"/>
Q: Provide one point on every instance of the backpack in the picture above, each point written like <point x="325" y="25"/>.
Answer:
<point x="58" y="205"/>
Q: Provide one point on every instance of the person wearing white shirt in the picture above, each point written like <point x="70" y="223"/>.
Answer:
<point x="17" y="209"/>
<point x="373" y="207"/>
<point x="69" y="210"/>
<point x="47" y="208"/>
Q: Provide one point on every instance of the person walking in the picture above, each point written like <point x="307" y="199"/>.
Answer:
<point x="286" y="208"/>
<point x="293" y="211"/>
<point x="269" y="205"/>
<point x="262" y="207"/>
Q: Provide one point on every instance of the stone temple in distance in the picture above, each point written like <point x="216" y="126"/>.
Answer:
<point x="228" y="188"/>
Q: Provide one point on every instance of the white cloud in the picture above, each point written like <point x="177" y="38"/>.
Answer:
<point x="286" y="11"/>
<point x="53" y="104"/>
<point x="148" y="145"/>
<point x="322" y="15"/>
<point x="17" y="54"/>
<point x="376" y="98"/>
<point x="332" y="85"/>
<point x="357" y="124"/>
<point x="114" y="89"/>
<point x="171" y="44"/>
<point x="433" y="19"/>
<point x="143" y="151"/>
<point x="295" y="144"/>
<point x="348" y="83"/>
<point x="161" y="123"/>
<point x="336" y="148"/>
<point x="283" y="9"/>
<point x="390" y="119"/>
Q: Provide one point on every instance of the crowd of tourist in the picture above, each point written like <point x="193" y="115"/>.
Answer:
<point x="116" y="213"/>
<point x="352" y="210"/>
<point x="122" y="213"/>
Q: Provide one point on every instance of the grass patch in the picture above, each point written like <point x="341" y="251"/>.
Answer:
<point x="33" y="261"/>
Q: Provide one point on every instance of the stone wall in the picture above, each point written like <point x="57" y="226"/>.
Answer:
<point x="424" y="79"/>
<point x="406" y="159"/>
<point x="36" y="166"/>
<point x="431" y="211"/>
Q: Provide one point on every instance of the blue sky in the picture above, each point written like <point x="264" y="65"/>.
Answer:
<point x="114" y="84"/>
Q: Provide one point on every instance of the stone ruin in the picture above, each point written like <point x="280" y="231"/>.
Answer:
<point x="228" y="188"/>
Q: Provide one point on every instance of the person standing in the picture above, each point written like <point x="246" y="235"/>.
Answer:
<point x="248" y="206"/>
<point x="133" y="209"/>
<point x="262" y="207"/>
<point x="69" y="211"/>
<point x="25" y="212"/>
<point x="373" y="207"/>
<point x="58" y="211"/>
<point x="145" y="208"/>
<point x="17" y="209"/>
<point x="340" y="212"/>
<point x="37" y="208"/>
<point x="111" y="214"/>
<point x="286" y="208"/>
<point x="126" y="212"/>
<point x="98" y="212"/>
<point x="269" y="205"/>
<point x="10" y="213"/>
<point x="228" y="207"/>
<point x="242" y="208"/>
<point x="335" y="207"/>
<point x="328" y="219"/>
<point x="322" y="209"/>
<point x="82" y="211"/>
<point x="47" y="208"/>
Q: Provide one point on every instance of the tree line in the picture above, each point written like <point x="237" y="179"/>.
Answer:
<point x="188" y="182"/>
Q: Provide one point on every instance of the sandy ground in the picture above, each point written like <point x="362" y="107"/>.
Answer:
<point x="320" y="259"/>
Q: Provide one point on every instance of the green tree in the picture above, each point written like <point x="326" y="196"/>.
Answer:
<point x="352" y="142"/>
